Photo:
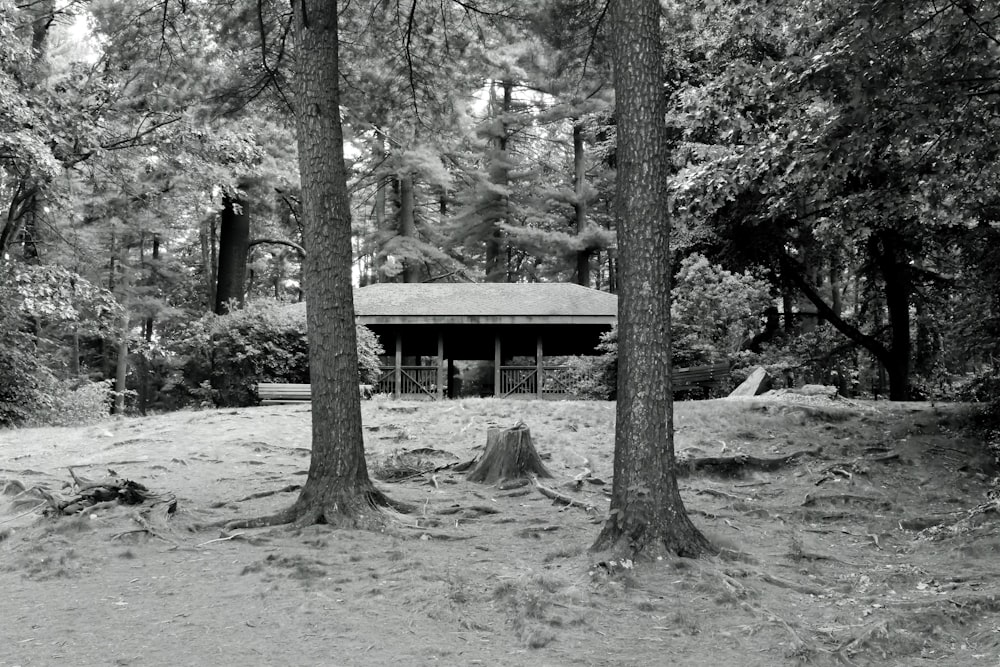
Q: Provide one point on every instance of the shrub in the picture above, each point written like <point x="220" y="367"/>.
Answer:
<point x="264" y="342"/>
<point x="71" y="403"/>
<point x="21" y="377"/>
<point x="983" y="387"/>
<point x="596" y="377"/>
<point x="712" y="311"/>
<point x="39" y="307"/>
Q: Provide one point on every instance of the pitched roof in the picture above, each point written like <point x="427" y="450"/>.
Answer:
<point x="483" y="302"/>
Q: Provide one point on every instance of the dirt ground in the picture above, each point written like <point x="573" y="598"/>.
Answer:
<point x="848" y="525"/>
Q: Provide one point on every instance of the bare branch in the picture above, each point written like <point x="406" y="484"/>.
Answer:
<point x="593" y="37"/>
<point x="407" y="43"/>
<point x="270" y="71"/>
<point x="290" y="244"/>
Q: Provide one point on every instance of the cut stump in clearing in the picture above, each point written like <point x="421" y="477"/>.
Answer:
<point x="509" y="455"/>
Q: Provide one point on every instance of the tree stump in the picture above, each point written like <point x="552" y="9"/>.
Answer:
<point x="509" y="455"/>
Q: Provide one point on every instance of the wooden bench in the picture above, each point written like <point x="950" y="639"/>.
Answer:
<point x="700" y="378"/>
<point x="274" y="393"/>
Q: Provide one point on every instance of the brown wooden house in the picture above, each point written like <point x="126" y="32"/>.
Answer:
<point x="428" y="328"/>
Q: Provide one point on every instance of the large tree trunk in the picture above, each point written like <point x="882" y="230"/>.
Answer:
<point x="580" y="204"/>
<point x="647" y="515"/>
<point x="496" y="264"/>
<point x="894" y="267"/>
<point x="206" y="236"/>
<point x="378" y="156"/>
<point x="234" y="246"/>
<point x="338" y="489"/>
<point x="407" y="225"/>
<point x="121" y="365"/>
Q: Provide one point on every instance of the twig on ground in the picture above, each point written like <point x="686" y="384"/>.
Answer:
<point x="24" y="514"/>
<point x="221" y="539"/>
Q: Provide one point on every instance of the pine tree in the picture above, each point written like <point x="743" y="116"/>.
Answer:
<point x="647" y="516"/>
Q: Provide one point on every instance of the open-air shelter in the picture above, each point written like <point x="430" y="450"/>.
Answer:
<point x="426" y="328"/>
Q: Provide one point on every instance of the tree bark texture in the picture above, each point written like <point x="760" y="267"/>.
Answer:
<point x="378" y="157"/>
<point x="647" y="515"/>
<point x="496" y="266"/>
<point x="234" y="240"/>
<point x="580" y="204"/>
<point x="893" y="264"/>
<point x="121" y="364"/>
<point x="408" y="225"/>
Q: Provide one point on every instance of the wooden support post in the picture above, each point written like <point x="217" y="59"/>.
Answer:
<point x="539" y="366"/>
<point x="496" y="366"/>
<point x="398" y="369"/>
<point x="440" y="366"/>
<point x="451" y="377"/>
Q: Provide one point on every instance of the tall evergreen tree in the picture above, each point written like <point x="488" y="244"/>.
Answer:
<point x="338" y="489"/>
<point x="647" y="516"/>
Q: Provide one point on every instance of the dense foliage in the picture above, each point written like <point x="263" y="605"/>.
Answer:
<point x="713" y="313"/>
<point x="46" y="315"/>
<point x="222" y="358"/>
<point x="835" y="160"/>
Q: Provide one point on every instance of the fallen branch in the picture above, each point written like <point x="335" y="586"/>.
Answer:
<point x="561" y="498"/>
<point x="791" y="585"/>
<point x="221" y="539"/>
<point x="942" y="529"/>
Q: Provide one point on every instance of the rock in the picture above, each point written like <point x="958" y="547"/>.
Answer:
<point x="756" y="383"/>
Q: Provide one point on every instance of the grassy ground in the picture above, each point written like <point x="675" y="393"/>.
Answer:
<point x="851" y="523"/>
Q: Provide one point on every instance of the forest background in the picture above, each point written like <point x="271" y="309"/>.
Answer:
<point x="833" y="160"/>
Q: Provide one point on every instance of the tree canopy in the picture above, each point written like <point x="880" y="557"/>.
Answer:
<point x="832" y="164"/>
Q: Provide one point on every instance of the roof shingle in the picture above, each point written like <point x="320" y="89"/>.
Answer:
<point x="483" y="299"/>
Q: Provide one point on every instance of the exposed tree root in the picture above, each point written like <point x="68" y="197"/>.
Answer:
<point x="365" y="509"/>
<point x="737" y="466"/>
<point x="846" y="499"/>
<point x="940" y="528"/>
<point x="722" y="494"/>
<point x="627" y="539"/>
<point x="791" y="585"/>
<point x="471" y="510"/>
<point x="265" y="494"/>
<point x="444" y="537"/>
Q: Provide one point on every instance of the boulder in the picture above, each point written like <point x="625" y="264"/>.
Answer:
<point x="756" y="384"/>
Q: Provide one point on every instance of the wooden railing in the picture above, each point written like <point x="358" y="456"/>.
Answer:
<point x="419" y="380"/>
<point x="558" y="380"/>
<point x="523" y="380"/>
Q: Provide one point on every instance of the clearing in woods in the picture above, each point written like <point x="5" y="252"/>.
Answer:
<point x="848" y="527"/>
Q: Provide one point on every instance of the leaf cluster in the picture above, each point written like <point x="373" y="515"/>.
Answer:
<point x="266" y="341"/>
